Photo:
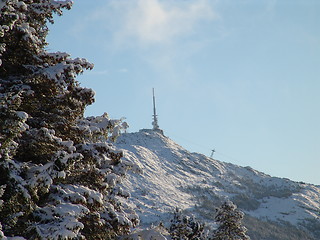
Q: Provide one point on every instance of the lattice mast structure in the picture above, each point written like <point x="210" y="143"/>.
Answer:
<point x="155" y="119"/>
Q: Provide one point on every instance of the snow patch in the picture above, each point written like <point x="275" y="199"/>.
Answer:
<point x="172" y="177"/>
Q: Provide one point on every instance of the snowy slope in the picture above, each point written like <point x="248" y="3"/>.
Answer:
<point x="173" y="177"/>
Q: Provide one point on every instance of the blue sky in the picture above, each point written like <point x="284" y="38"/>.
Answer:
<point x="241" y="76"/>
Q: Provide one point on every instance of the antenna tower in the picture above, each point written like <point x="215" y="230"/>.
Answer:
<point x="155" y="119"/>
<point x="212" y="152"/>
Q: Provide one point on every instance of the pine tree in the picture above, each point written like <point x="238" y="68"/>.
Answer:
<point x="59" y="172"/>
<point x="229" y="220"/>
<point x="186" y="228"/>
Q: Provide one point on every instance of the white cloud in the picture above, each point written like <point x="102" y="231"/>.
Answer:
<point x="159" y="21"/>
<point x="160" y="33"/>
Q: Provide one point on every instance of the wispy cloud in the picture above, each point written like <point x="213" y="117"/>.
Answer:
<point x="157" y="21"/>
<point x="153" y="21"/>
<point x="160" y="33"/>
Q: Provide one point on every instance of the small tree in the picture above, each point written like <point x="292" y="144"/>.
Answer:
<point x="185" y="227"/>
<point x="229" y="219"/>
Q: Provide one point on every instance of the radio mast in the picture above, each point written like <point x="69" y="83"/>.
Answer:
<point x="212" y="152"/>
<point x="155" y="119"/>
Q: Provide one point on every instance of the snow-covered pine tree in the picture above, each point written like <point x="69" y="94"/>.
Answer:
<point x="229" y="220"/>
<point x="186" y="228"/>
<point x="58" y="172"/>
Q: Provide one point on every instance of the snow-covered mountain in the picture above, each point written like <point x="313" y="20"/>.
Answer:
<point x="171" y="177"/>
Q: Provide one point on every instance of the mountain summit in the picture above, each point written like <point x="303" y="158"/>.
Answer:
<point x="170" y="177"/>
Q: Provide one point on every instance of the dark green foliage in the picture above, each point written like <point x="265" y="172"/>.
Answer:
<point x="245" y="202"/>
<point x="58" y="172"/>
<point x="229" y="220"/>
<point x="186" y="228"/>
<point x="267" y="230"/>
<point x="312" y="225"/>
